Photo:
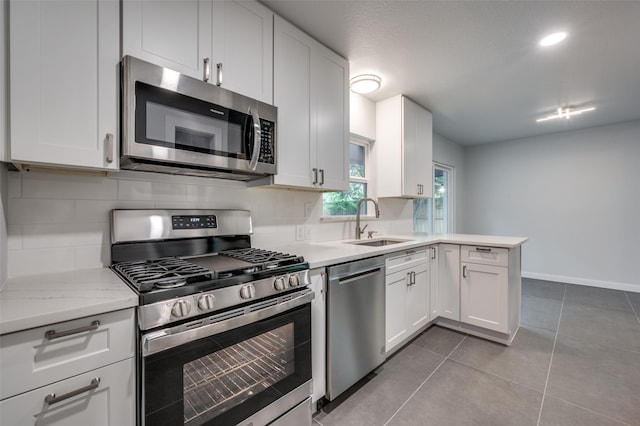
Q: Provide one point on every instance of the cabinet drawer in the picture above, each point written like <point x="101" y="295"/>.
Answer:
<point x="406" y="261"/>
<point x="485" y="255"/>
<point x="34" y="358"/>
<point x="112" y="402"/>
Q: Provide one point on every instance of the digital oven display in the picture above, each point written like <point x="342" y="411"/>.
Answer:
<point x="194" y="222"/>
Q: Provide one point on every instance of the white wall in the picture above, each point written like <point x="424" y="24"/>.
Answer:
<point x="451" y="154"/>
<point x="362" y="116"/>
<point x="60" y="221"/>
<point x="575" y="195"/>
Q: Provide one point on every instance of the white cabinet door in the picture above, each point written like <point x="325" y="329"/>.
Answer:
<point x="330" y="93"/>
<point x="318" y="333"/>
<point x="484" y="296"/>
<point x="403" y="149"/>
<point x="449" y="281"/>
<point x="64" y="83"/>
<point x="292" y="95"/>
<point x="110" y="403"/>
<point x="243" y="48"/>
<point x="395" y="309"/>
<point x="3" y="80"/>
<point x="418" y="294"/>
<point x="171" y="33"/>
<point x="433" y="283"/>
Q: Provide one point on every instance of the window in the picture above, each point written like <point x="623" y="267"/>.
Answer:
<point x="435" y="215"/>
<point x="344" y="203"/>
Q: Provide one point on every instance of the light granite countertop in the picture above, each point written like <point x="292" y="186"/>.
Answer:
<point x="320" y="254"/>
<point x="37" y="300"/>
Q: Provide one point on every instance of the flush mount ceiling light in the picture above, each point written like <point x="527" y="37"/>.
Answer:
<point x="552" y="39"/>
<point x="566" y="113"/>
<point x="365" y="83"/>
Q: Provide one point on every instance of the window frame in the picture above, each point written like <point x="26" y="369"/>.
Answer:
<point x="368" y="179"/>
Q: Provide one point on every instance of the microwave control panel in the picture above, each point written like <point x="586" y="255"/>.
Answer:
<point x="267" y="154"/>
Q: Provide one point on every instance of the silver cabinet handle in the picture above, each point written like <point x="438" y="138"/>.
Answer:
<point x="219" y="74"/>
<point x="206" y="70"/>
<point x="483" y="249"/>
<point x="108" y="148"/>
<point x="52" y="398"/>
<point x="52" y="334"/>
<point x="408" y="279"/>
<point x="464" y="271"/>
<point x="321" y="176"/>
<point x="315" y="176"/>
<point x="433" y="252"/>
<point x="257" y="139"/>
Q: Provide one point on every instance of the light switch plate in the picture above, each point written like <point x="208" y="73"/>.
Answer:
<point x="299" y="232"/>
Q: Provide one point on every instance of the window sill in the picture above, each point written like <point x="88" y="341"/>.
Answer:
<point x="330" y="219"/>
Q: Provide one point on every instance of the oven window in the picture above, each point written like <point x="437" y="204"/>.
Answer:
<point x="228" y="377"/>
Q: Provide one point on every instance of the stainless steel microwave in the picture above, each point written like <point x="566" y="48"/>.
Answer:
<point x="172" y="123"/>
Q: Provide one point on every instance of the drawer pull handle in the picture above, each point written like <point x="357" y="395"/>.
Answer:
<point x="52" y="398"/>
<point x="52" y="334"/>
<point x="464" y="271"/>
<point x="483" y="249"/>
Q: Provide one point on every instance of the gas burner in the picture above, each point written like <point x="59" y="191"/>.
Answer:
<point x="162" y="273"/>
<point x="178" y="282"/>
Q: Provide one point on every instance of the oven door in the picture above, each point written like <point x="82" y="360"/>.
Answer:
<point x="252" y="367"/>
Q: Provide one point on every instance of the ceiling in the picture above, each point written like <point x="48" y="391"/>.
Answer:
<point x="477" y="66"/>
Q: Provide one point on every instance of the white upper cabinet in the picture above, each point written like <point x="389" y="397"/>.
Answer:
<point x="243" y="48"/>
<point x="3" y="81"/>
<point x="311" y="93"/>
<point x="64" y="83"/>
<point x="403" y="149"/>
<point x="228" y="43"/>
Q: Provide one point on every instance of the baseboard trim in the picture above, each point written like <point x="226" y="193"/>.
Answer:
<point x="634" y="288"/>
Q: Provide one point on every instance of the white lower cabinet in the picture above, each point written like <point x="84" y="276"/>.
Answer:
<point x="484" y="296"/>
<point x="407" y="294"/>
<point x="318" y="333"/>
<point x="434" y="252"/>
<point x="449" y="281"/>
<point x="77" y="372"/>
<point x="105" y="396"/>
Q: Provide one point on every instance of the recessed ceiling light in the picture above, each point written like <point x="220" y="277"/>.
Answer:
<point x="567" y="113"/>
<point x="365" y="83"/>
<point x="552" y="39"/>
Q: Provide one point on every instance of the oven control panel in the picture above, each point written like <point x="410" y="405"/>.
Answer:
<point x="194" y="222"/>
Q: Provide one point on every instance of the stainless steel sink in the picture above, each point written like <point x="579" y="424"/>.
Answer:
<point x="378" y="242"/>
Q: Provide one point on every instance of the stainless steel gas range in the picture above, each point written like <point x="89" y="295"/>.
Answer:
<point x="224" y="328"/>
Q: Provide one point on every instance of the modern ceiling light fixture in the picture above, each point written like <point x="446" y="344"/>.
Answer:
<point x="566" y="113"/>
<point x="365" y="83"/>
<point x="552" y="39"/>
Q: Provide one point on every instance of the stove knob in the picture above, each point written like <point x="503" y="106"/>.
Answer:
<point x="181" y="308"/>
<point x="206" y="302"/>
<point x="248" y="292"/>
<point x="294" y="280"/>
<point x="279" y="284"/>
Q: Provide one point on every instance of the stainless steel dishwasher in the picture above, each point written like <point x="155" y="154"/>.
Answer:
<point x="355" y="322"/>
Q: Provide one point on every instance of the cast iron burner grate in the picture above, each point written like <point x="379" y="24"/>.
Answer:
<point x="168" y="272"/>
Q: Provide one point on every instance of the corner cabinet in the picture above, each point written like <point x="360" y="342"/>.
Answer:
<point x="311" y="91"/>
<point x="407" y="294"/>
<point x="403" y="149"/>
<point x="225" y="42"/>
<point x="64" y="82"/>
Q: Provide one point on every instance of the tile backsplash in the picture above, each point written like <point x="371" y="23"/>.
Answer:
<point x="60" y="221"/>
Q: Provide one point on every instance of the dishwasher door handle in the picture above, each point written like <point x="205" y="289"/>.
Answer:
<point x="358" y="276"/>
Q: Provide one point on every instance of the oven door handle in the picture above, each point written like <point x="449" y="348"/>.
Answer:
<point x="162" y="340"/>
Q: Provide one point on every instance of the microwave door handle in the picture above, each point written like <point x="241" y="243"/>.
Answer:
<point x="256" y="140"/>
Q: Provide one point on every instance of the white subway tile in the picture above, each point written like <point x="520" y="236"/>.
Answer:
<point x="14" y="185"/>
<point x="100" y="211"/>
<point x="33" y="210"/>
<point x="65" y="235"/>
<point x="68" y="186"/>
<point x="93" y="257"/>
<point x="134" y="190"/>
<point x="163" y="191"/>
<point x="40" y="261"/>
<point x="14" y="237"/>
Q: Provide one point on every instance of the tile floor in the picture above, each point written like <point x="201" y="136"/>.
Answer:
<point x="575" y="361"/>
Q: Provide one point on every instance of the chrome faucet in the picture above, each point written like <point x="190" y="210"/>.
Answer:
<point x="360" y="231"/>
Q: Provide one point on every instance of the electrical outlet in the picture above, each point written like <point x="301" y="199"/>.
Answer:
<point x="307" y="209"/>
<point x="307" y="232"/>
<point x="299" y="232"/>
